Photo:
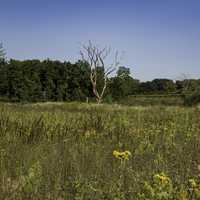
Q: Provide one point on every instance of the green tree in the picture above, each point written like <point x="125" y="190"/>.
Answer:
<point x="123" y="71"/>
<point x="2" y="53"/>
<point x="123" y="84"/>
<point x="158" y="86"/>
<point x="3" y="72"/>
<point x="164" y="85"/>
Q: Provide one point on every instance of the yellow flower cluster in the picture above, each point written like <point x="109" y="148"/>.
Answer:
<point x="125" y="155"/>
<point x="192" y="183"/>
<point x="162" y="178"/>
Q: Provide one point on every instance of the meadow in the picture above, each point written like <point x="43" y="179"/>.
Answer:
<point x="77" y="151"/>
<point x="152" y="100"/>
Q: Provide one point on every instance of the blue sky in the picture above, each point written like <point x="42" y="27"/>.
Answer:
<point x="159" y="38"/>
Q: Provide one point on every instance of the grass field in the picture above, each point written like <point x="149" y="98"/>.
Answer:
<point x="153" y="100"/>
<point x="61" y="151"/>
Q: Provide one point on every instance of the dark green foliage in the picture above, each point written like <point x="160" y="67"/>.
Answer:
<point x="23" y="81"/>
<point x="192" y="99"/>
<point x="2" y="53"/>
<point x="33" y="80"/>
<point x="79" y="85"/>
<point x="123" y="84"/>
<point x="123" y="71"/>
<point x="158" y="86"/>
<point x="187" y="86"/>
<point x="3" y="71"/>
<point x="190" y="90"/>
<point x="36" y="81"/>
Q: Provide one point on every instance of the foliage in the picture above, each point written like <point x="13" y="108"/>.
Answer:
<point x="41" y="81"/>
<point x="33" y="80"/>
<point x="123" y="84"/>
<point x="48" y="80"/>
<point x="2" y="53"/>
<point x="163" y="189"/>
<point x="193" y="98"/>
<point x="123" y="71"/>
<point x="160" y="189"/>
<point x="158" y="86"/>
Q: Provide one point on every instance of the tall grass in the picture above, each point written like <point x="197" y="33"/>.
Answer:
<point x="65" y="151"/>
<point x="153" y="100"/>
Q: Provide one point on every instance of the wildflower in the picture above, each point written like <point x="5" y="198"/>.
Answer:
<point x="122" y="155"/>
<point x="192" y="183"/>
<point x="162" y="178"/>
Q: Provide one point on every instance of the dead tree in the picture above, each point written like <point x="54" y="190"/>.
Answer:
<point x="95" y="57"/>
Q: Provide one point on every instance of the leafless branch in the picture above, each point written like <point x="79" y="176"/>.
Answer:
<point x="96" y="57"/>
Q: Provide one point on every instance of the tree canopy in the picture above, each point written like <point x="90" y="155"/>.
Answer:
<point x="2" y="53"/>
<point x="35" y="80"/>
<point x="48" y="80"/>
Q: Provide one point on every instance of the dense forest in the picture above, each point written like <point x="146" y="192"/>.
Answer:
<point x="35" y="80"/>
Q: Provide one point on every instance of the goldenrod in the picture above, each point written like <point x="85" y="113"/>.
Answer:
<point x="162" y="178"/>
<point x="192" y="183"/>
<point x="122" y="155"/>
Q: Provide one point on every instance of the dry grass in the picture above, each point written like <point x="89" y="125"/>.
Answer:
<point x="65" y="151"/>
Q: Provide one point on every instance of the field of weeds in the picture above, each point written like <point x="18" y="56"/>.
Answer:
<point x="79" y="151"/>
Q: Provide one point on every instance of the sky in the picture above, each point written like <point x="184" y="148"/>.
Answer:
<point x="157" y="38"/>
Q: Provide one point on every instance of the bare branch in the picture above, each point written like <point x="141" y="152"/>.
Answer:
<point x="96" y="57"/>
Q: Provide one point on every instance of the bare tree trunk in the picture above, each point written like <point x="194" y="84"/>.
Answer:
<point x="95" y="57"/>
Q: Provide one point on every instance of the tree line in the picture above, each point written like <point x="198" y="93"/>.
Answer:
<point x="35" y="80"/>
<point x="48" y="80"/>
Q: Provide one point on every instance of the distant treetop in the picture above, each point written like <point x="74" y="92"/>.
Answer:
<point x="2" y="52"/>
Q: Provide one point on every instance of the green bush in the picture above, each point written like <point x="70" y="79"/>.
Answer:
<point x="192" y="99"/>
<point x="108" y="99"/>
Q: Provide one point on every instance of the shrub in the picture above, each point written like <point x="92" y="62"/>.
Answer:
<point x="192" y="99"/>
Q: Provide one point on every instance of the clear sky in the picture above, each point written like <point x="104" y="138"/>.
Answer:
<point x="160" y="38"/>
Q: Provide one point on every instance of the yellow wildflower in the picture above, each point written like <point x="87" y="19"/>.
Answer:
<point x="122" y="155"/>
<point x="192" y="183"/>
<point x="162" y="178"/>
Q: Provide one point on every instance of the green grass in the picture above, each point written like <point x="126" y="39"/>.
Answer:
<point x="153" y="100"/>
<point x="65" y="151"/>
